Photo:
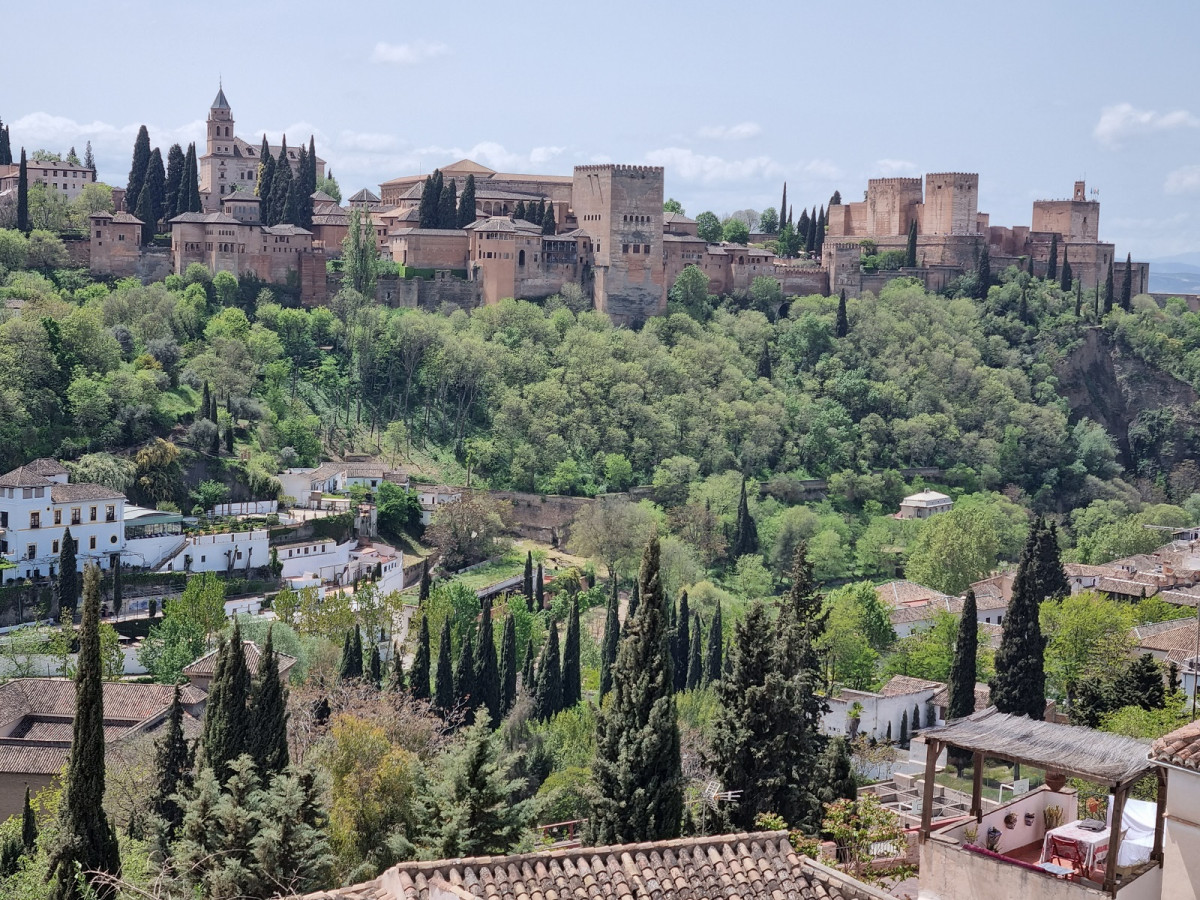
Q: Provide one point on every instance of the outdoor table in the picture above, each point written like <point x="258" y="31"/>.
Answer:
<point x="1093" y="843"/>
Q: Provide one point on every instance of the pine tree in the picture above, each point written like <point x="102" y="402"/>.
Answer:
<point x="695" y="664"/>
<point x="1052" y="262"/>
<point x="29" y="829"/>
<point x="612" y="637"/>
<point x="1019" y="686"/>
<point x="443" y="686"/>
<point x="842" y="327"/>
<point x="1067" y="276"/>
<point x="527" y="581"/>
<point x="1142" y="684"/>
<point x="466" y="203"/>
<point x="539" y="589"/>
<point x="910" y="251"/>
<point x="175" y="165"/>
<point x="68" y="577"/>
<point x="418" y="678"/>
<point x="1108" y="290"/>
<point x="150" y="200"/>
<point x="479" y="800"/>
<point x="189" y="188"/>
<point x="23" y="195"/>
<point x="172" y="770"/>
<point x="962" y="672"/>
<point x="745" y="535"/>
<point x="1127" y="283"/>
<point x="508" y="666"/>
<point x="423" y="595"/>
<point x="681" y="645"/>
<point x="547" y="700"/>
<point x="375" y="668"/>
<point x="712" y="659"/>
<point x="488" y="689"/>
<point x="836" y="199"/>
<point x="86" y="841"/>
<point x="837" y="780"/>
<point x="227" y="727"/>
<point x="549" y="226"/>
<point x="137" y="170"/>
<point x="281" y="183"/>
<point x="465" y="697"/>
<point x="448" y="205"/>
<point x="637" y="768"/>
<point x="572" y="688"/>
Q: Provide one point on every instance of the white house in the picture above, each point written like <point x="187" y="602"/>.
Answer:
<point x="923" y="505"/>
<point x="225" y="553"/>
<point x="880" y="715"/>
<point x="38" y="504"/>
<point x="433" y="496"/>
<point x="336" y="478"/>
<point x="325" y="558"/>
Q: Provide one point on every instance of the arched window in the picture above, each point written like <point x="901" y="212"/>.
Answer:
<point x="521" y="258"/>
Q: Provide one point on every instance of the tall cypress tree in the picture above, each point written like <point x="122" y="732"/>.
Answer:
<point x="268" y="741"/>
<point x="6" y="145"/>
<point x="346" y="664"/>
<point x="572" y="688"/>
<point x="745" y="536"/>
<point x="635" y="601"/>
<point x="1050" y="579"/>
<point x="266" y="177"/>
<point x="549" y="226"/>
<point x="712" y="659"/>
<point x="29" y="829"/>
<point x="423" y="591"/>
<point x="528" y="679"/>
<point x="227" y="729"/>
<point x="23" y="195"/>
<point x="68" y="577"/>
<point x="301" y="198"/>
<point x="1019" y="686"/>
<point x="681" y="645"/>
<point x="637" y="768"/>
<point x="357" y="654"/>
<point x="508" y="666"/>
<point x="137" y="170"/>
<point x="419" y="677"/>
<point x="612" y="637"/>
<point x="150" y="200"/>
<point x="189" y="188"/>
<point x="1127" y="283"/>
<point x="821" y="225"/>
<point x="465" y="697"/>
<point x="427" y="209"/>
<point x="539" y="589"/>
<point x="962" y="673"/>
<point x="527" y="580"/>
<point x="448" y="205"/>
<point x="1067" y="276"/>
<point x="802" y="227"/>
<point x="1052" y="262"/>
<point x="443" y="686"/>
<point x="175" y="164"/>
<point x="519" y="211"/>
<point x="695" y="661"/>
<point x="172" y="770"/>
<point x="397" y="680"/>
<point x="375" y="669"/>
<point x="842" y="326"/>
<point x="548" y="697"/>
<point x="1108" y="289"/>
<point x="783" y="207"/>
<point x="488" y="689"/>
<point x="87" y="841"/>
<point x="910" y="250"/>
<point x="466" y="203"/>
<point x="281" y="183"/>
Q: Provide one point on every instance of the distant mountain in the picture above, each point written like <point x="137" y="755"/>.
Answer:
<point x="1190" y="262"/>
<point x="1174" y="282"/>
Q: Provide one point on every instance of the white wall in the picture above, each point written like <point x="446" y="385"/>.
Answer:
<point x="1181" y="841"/>
<point x="212" y="552"/>
<point x="109" y="536"/>
<point x="877" y="712"/>
<point x="326" y="558"/>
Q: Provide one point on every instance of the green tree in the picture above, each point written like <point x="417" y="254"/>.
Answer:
<point x="1127" y="283"/>
<point x="1142" y="683"/>
<point x="962" y="673"/>
<point x="443" y="689"/>
<point x="137" y="170"/>
<point x="672" y="205"/>
<point x="268" y="744"/>
<point x="1067" y="276"/>
<point x="150" y="203"/>
<point x="1020" y="683"/>
<point x="508" y="665"/>
<point x="281" y="184"/>
<point x="6" y="146"/>
<point x="418" y="677"/>
<point x="548" y="698"/>
<point x="549" y="226"/>
<point x="465" y="697"/>
<point x="842" y="325"/>
<point x="716" y="641"/>
<point x="745" y="531"/>
<point x="22" y="195"/>
<point x="637" y="765"/>
<point x="68" y="577"/>
<point x="174" y="178"/>
<point x="448" y="205"/>
<point x="690" y="293"/>
<point x="86" y="841"/>
<point x="488" y="687"/>
<point x="983" y="273"/>
<point x="527" y="580"/>
<point x="735" y="231"/>
<point x="695" y="657"/>
<point x="708" y="226"/>
<point x="227" y="728"/>
<point x="360" y="253"/>
<point x="953" y="549"/>
<point x="466" y="203"/>
<point x="910" y="250"/>
<point x="539" y="588"/>
<point x="612" y="637"/>
<point x="681" y="645"/>
<point x="266" y="177"/>
<point x="1052" y="261"/>
<point x="1108" y="289"/>
<point x="572" y="689"/>
<point x="423" y="590"/>
<point x="768" y="222"/>
<point x="173" y="760"/>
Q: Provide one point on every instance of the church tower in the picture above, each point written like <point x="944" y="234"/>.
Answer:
<point x="216" y="178"/>
<point x="220" y="126"/>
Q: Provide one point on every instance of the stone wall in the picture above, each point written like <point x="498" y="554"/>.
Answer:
<point x="891" y="204"/>
<point x="421" y="293"/>
<point x="542" y="517"/>
<point x="951" y="203"/>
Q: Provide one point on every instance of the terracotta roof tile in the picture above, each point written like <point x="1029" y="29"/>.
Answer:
<point x="899" y="685"/>
<point x="205" y="666"/>
<point x="68" y="493"/>
<point x="1179" y="748"/>
<point x="905" y="593"/>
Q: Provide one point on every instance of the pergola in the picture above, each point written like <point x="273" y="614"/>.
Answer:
<point x="1066" y="751"/>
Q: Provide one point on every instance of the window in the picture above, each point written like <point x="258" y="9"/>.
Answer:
<point x="624" y="248"/>
<point x="75" y="516"/>
<point x="54" y="547"/>
<point x="31" y="551"/>
<point x="110" y="514"/>
<point x="646" y="248"/>
<point x="637" y="248"/>
<point x="92" y="542"/>
<point x="35" y="520"/>
<point x="120" y="237"/>
<point x="92" y="514"/>
<point x="58" y="517"/>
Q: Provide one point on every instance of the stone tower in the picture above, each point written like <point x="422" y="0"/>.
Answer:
<point x="214" y="176"/>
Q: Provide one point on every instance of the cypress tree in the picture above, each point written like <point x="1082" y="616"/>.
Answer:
<point x="425" y="214"/>
<point x="465" y="697"/>
<point x="205" y="401"/>
<point x="548" y="698"/>
<point x="612" y="636"/>
<point x="962" y="672"/>
<point x="634" y="603"/>
<point x="1029" y="268"/>
<point x="227" y="729"/>
<point x="910" y="251"/>
<point x="397" y="681"/>
<point x="1019" y="686"/>
<point x="29" y="829"/>
<point x="904" y="729"/>
<point x="528" y="681"/>
<point x="266" y="176"/>
<point x="189" y="188"/>
<point x="790" y="215"/>
<point x="637" y="767"/>
<point x="508" y="666"/>
<point x="419" y="676"/>
<point x="842" y="327"/>
<point x="488" y="689"/>
<point x="695" y="665"/>
<point x="23" y="195"/>
<point x="764" y="362"/>
<point x="1078" y="301"/>
<point x="810" y="244"/>
<point x="423" y="595"/>
<point x="229" y="439"/>
<point x="572" y="689"/>
<point x="527" y="580"/>
<point x="68" y="577"/>
<point x="519" y="211"/>
<point x="983" y="274"/>
<point x="712" y="659"/>
<point x="175" y="165"/>
<point x="783" y="207"/>
<point x="172" y="770"/>
<point x="1052" y="262"/>
<point x="539" y="589"/>
<point x="448" y="205"/>
<point x="443" y="685"/>
<point x="310" y="182"/>
<point x="346" y="666"/>
<point x="681" y="645"/>
<point x="821" y="225"/>
<point x="466" y="203"/>
<point x="357" y="654"/>
<point x="1050" y="579"/>
<point x="281" y="183"/>
<point x="548" y="224"/>
<point x="6" y="145"/>
<point x="837" y="773"/>
<point x="802" y="227"/>
<point x="1108" y="290"/>
<point x="1067" y="276"/>
<point x="916" y="717"/>
<point x="745" y="536"/>
<point x="150" y="200"/>
<point x="268" y="744"/>
<point x="301" y="197"/>
<point x="137" y="170"/>
<point x="375" y="670"/>
<point x="1127" y="283"/>
<point x="87" y="841"/>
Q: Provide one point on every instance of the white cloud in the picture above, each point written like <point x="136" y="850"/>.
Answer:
<point x="541" y="155"/>
<point x="1124" y="121"/>
<point x="691" y="166"/>
<point x="408" y="54"/>
<point x="740" y="132"/>
<point x="889" y="168"/>
<point x="1185" y="180"/>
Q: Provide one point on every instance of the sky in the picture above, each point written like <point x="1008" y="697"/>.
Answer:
<point x="732" y="100"/>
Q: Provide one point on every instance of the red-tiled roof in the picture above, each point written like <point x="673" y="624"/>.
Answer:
<point x="899" y="685"/>
<point x="1179" y="748"/>
<point x="206" y="665"/>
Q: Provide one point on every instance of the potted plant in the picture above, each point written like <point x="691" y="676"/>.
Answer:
<point x="1030" y="818"/>
<point x="970" y="833"/>
<point x="1052" y="816"/>
<point x="1010" y="820"/>
<point x="993" y="839"/>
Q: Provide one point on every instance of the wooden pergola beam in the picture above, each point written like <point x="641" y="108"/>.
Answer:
<point x="933" y="749"/>
<point x="977" y="786"/>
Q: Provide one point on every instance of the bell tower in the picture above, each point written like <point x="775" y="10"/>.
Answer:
<point x="220" y="126"/>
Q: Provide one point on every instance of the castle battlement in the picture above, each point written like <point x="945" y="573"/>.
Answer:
<point x="951" y="174"/>
<point x="620" y="169"/>
<point x="896" y="182"/>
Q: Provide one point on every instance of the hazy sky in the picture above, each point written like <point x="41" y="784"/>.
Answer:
<point x="731" y="98"/>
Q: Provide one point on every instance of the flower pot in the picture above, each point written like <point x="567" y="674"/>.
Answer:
<point x="1055" y="781"/>
<point x="1030" y="818"/>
